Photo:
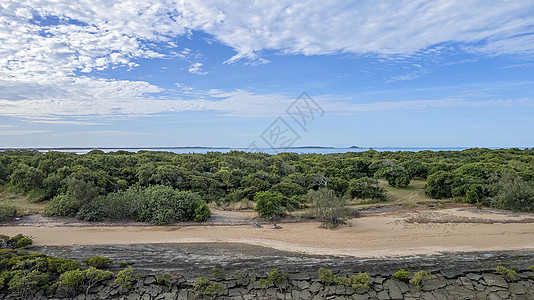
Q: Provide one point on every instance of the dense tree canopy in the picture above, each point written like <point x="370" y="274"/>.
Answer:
<point x="80" y="184"/>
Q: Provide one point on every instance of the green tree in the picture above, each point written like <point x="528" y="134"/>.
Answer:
<point x="395" y="175"/>
<point x="269" y="204"/>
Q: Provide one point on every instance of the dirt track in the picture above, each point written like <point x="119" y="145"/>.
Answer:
<point x="377" y="235"/>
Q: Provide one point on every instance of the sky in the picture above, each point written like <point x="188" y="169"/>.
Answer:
<point x="255" y="74"/>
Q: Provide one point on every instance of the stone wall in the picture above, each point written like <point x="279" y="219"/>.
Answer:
<point x="442" y="285"/>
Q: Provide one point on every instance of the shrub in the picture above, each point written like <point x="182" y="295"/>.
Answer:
<point x="402" y="275"/>
<point x="269" y="204"/>
<point x="123" y="264"/>
<point x="125" y="277"/>
<point x="98" y="261"/>
<point x="396" y="176"/>
<point x="164" y="205"/>
<point x="240" y="277"/>
<point x="71" y="280"/>
<point x="217" y="273"/>
<point x="62" y="205"/>
<point x="18" y="241"/>
<point x="25" y="282"/>
<point x="512" y="192"/>
<point x="274" y="278"/>
<point x="94" y="276"/>
<point x="24" y="242"/>
<point x="326" y="276"/>
<point x="366" y="188"/>
<point x="507" y="273"/>
<point x="361" y="280"/>
<point x="62" y="265"/>
<point x="204" y="287"/>
<point x="164" y="279"/>
<point x="330" y="209"/>
<point x="8" y="212"/>
<point x="418" y="277"/>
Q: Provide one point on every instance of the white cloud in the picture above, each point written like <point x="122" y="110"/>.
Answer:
<point x="45" y="44"/>
<point x="196" y="68"/>
<point x="21" y="132"/>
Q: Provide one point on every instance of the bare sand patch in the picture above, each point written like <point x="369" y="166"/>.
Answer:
<point x="369" y="236"/>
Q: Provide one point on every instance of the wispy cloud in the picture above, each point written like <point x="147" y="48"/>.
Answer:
<point x="21" y="132"/>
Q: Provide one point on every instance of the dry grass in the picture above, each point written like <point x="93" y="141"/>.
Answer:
<point x="409" y="196"/>
<point x="22" y="203"/>
<point x="241" y="205"/>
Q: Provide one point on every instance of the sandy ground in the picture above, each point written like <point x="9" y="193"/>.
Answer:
<point x="375" y="235"/>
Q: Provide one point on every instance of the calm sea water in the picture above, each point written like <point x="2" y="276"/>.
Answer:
<point x="299" y="150"/>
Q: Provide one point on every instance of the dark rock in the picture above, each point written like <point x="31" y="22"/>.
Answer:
<point x="433" y="284"/>
<point x="428" y="296"/>
<point x="383" y="295"/>
<point x="149" y="280"/>
<point x="517" y="288"/>
<point x="495" y="280"/>
<point x="473" y="276"/>
<point x="449" y="274"/>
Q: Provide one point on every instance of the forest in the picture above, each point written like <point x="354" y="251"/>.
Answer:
<point x="164" y="187"/>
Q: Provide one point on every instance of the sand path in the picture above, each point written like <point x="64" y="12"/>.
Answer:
<point x="370" y="236"/>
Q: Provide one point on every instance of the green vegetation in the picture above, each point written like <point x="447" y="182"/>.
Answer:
<point x="240" y="277"/>
<point x="98" y="261"/>
<point x="125" y="277"/>
<point x="274" y="278"/>
<point x="217" y="273"/>
<point x="418" y="278"/>
<point x="402" y="275"/>
<point x="361" y="280"/>
<point x="164" y="279"/>
<point x="329" y="208"/>
<point x="509" y="274"/>
<point x="269" y="204"/>
<point x="204" y="287"/>
<point x="163" y="187"/>
<point x="18" y="241"/>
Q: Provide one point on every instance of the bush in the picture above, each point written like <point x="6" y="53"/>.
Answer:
<point x="402" y="275"/>
<point x="507" y="273"/>
<point x="71" y="280"/>
<point x="326" y="276"/>
<point x="511" y="192"/>
<point x="361" y="280"/>
<point x="125" y="277"/>
<point x="204" y="287"/>
<point x="62" y="265"/>
<point x="275" y="277"/>
<point x="18" y="241"/>
<point x="269" y="205"/>
<point x="164" y="279"/>
<point x="217" y="273"/>
<point x="98" y="261"/>
<point x="24" y="242"/>
<point x="164" y="205"/>
<point x="418" y="277"/>
<point x="366" y="188"/>
<point x="240" y="278"/>
<point x="396" y="176"/>
<point x="62" y="205"/>
<point x="8" y="212"/>
<point x="330" y="209"/>
<point x="25" y="282"/>
<point x="94" y="276"/>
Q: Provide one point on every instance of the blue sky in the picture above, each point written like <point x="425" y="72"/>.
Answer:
<point x="224" y="73"/>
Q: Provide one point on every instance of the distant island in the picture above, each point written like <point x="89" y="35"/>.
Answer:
<point x="355" y="147"/>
